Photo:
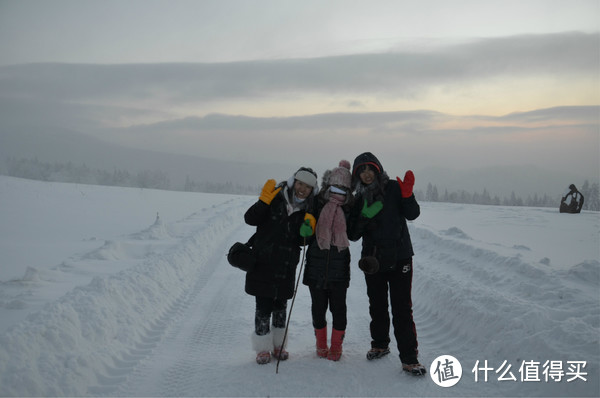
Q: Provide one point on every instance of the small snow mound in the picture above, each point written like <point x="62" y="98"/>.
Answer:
<point x="31" y="275"/>
<point x="156" y="231"/>
<point x="109" y="251"/>
<point x="521" y="247"/>
<point x="545" y="261"/>
<point x="65" y="266"/>
<point x="97" y="285"/>
<point x="456" y="232"/>
<point x="588" y="271"/>
<point x="15" y="305"/>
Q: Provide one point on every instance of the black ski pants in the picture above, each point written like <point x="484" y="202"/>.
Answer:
<point x="398" y="285"/>
<point x="267" y="308"/>
<point x="335" y="299"/>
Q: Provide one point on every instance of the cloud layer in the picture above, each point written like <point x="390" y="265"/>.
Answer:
<point x="528" y="99"/>
<point x="394" y="74"/>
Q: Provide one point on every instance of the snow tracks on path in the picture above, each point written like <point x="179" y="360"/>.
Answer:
<point x="90" y="339"/>
<point x="478" y="301"/>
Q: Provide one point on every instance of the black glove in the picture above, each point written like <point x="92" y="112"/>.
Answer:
<point x="369" y="265"/>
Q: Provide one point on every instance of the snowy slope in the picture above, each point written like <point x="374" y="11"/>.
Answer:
<point x="99" y="296"/>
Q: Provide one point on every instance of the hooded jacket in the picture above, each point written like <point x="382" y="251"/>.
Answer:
<point x="386" y="235"/>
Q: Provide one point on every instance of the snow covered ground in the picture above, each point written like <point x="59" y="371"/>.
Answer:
<point x="99" y="296"/>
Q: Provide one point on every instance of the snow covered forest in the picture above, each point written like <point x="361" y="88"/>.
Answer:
<point x="35" y="169"/>
<point x="589" y="191"/>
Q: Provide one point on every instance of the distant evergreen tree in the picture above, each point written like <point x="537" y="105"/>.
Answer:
<point x="486" y="199"/>
<point x="591" y="196"/>
<point x="434" y="194"/>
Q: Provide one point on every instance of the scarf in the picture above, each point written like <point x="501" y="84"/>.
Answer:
<point x="371" y="192"/>
<point x="293" y="204"/>
<point x="331" y="227"/>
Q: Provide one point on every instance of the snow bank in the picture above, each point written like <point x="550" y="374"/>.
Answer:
<point x="83" y="337"/>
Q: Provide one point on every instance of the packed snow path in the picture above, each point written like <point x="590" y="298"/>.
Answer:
<point x="469" y="302"/>
<point x="175" y="321"/>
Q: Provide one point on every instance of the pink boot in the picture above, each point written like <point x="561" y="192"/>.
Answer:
<point x="335" y="351"/>
<point x="321" y="335"/>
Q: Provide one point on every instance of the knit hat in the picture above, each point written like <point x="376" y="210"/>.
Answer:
<point x="339" y="176"/>
<point x="307" y="176"/>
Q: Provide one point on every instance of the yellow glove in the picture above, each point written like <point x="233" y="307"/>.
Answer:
<point x="311" y="219"/>
<point x="269" y="192"/>
<point x="308" y="227"/>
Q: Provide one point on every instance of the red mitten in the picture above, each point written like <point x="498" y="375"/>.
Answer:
<point x="406" y="187"/>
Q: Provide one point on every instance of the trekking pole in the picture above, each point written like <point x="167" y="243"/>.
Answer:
<point x="287" y="325"/>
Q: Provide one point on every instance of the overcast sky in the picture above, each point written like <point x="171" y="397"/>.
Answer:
<point x="148" y="31"/>
<point x="421" y="83"/>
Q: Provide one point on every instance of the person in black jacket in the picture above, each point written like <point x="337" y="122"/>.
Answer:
<point x="379" y="216"/>
<point x="283" y="218"/>
<point x="327" y="272"/>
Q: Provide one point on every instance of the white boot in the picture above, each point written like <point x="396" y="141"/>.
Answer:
<point x="278" y="346"/>
<point x="262" y="345"/>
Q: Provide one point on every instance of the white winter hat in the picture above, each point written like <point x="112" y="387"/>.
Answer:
<point x="307" y="176"/>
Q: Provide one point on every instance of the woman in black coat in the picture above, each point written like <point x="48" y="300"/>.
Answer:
<point x="327" y="272"/>
<point x="379" y="216"/>
<point x="279" y="216"/>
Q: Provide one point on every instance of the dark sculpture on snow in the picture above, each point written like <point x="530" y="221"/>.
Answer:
<point x="572" y="202"/>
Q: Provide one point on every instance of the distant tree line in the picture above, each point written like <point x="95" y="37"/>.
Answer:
<point x="227" y="187"/>
<point x="35" y="169"/>
<point x="590" y="193"/>
<point x="69" y="172"/>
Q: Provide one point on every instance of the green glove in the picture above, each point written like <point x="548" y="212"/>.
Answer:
<point x="371" y="211"/>
<point x="306" y="229"/>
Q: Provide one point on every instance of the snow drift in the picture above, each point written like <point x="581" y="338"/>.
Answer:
<point x="102" y="296"/>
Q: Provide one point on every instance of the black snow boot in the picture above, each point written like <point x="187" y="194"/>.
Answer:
<point x="376" y="353"/>
<point x="415" y="369"/>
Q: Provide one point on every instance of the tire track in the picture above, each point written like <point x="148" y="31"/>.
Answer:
<point x="469" y="301"/>
<point x="206" y="316"/>
<point x="194" y="257"/>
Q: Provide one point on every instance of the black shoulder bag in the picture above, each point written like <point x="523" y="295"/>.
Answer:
<point x="241" y="255"/>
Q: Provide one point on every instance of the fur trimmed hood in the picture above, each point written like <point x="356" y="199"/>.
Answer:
<point x="367" y="158"/>
<point x="364" y="159"/>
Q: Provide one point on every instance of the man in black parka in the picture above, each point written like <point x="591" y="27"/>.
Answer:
<point x="379" y="216"/>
